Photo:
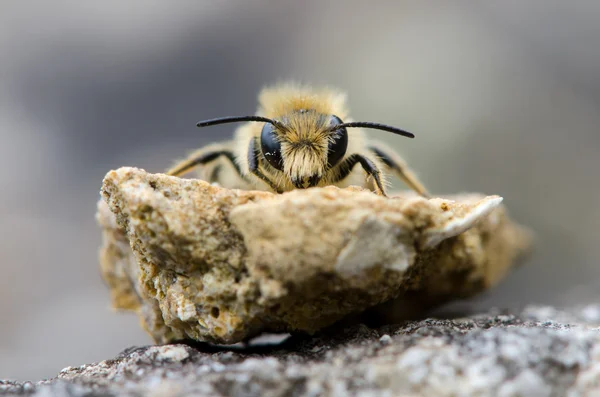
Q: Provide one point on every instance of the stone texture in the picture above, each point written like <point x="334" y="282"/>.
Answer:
<point x="201" y="262"/>
<point x="538" y="351"/>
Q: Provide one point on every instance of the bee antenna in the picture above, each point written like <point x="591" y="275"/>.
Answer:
<point x="235" y="119"/>
<point x="375" y="126"/>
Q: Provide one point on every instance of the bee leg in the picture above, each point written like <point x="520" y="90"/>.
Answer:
<point x="368" y="165"/>
<point x="253" y="165"/>
<point x="204" y="156"/>
<point x="396" y="164"/>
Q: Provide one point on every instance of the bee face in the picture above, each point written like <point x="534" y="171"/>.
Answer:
<point x="304" y="145"/>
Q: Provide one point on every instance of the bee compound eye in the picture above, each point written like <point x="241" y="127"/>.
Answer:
<point x="271" y="147"/>
<point x="338" y="143"/>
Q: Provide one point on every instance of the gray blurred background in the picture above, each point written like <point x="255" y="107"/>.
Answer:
<point x="504" y="97"/>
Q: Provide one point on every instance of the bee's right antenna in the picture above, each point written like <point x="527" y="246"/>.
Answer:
<point x="236" y="119"/>
<point x="375" y="126"/>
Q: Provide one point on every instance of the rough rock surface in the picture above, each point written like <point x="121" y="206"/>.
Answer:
<point x="537" y="352"/>
<point x="212" y="264"/>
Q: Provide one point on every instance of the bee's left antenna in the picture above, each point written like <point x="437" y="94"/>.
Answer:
<point x="235" y="119"/>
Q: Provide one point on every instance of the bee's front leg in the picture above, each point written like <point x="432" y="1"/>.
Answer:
<point x="368" y="165"/>
<point x="400" y="168"/>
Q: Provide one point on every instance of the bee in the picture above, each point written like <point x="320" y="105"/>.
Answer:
<point x="300" y="137"/>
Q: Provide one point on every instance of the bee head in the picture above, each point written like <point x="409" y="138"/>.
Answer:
<point x="304" y="145"/>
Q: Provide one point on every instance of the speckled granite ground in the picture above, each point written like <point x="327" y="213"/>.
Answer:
<point x="538" y="351"/>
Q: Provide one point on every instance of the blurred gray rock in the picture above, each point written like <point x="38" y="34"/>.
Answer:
<point x="539" y="351"/>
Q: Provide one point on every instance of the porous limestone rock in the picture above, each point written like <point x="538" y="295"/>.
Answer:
<point x="536" y="352"/>
<point x="197" y="261"/>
